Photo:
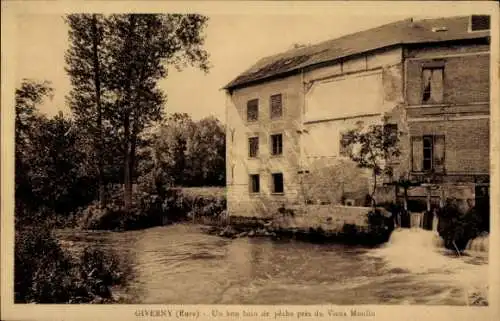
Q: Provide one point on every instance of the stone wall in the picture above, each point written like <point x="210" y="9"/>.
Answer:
<point x="238" y="163"/>
<point x="466" y="73"/>
<point x="327" y="217"/>
<point x="467" y="146"/>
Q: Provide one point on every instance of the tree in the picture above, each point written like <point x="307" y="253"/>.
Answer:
<point x="188" y="153"/>
<point x="141" y="48"/>
<point x="372" y="148"/>
<point x="59" y="177"/>
<point x="28" y="97"/>
<point x="85" y="65"/>
<point x="206" y="153"/>
<point x="51" y="165"/>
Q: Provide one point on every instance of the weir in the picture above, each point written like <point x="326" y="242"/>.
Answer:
<point x="417" y="220"/>
<point x="417" y="223"/>
<point x="479" y="244"/>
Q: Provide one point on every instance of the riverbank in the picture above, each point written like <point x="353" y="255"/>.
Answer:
<point x="315" y="223"/>
<point x="368" y="228"/>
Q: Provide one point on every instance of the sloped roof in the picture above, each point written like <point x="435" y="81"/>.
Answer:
<point x="400" y="32"/>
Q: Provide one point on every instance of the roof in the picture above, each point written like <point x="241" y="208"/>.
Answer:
<point x="400" y="32"/>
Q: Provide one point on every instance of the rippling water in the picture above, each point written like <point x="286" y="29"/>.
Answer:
<point x="181" y="265"/>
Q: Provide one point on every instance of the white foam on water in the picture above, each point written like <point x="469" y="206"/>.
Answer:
<point x="421" y="252"/>
<point x="415" y="250"/>
<point x="479" y="244"/>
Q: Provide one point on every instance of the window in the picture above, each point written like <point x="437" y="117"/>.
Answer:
<point x="391" y="134"/>
<point x="428" y="153"/>
<point x="254" y="183"/>
<point x="278" y="183"/>
<point x="428" y="149"/>
<point x="391" y="129"/>
<point x="277" y="144"/>
<point x="432" y="85"/>
<point x="253" y="110"/>
<point x="479" y="22"/>
<point x="253" y="146"/>
<point x="276" y="106"/>
<point x="344" y="149"/>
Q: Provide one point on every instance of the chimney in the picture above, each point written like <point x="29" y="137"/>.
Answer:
<point x="479" y="23"/>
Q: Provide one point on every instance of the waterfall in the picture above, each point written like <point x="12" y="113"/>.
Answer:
<point x="417" y="220"/>
<point x="435" y="222"/>
<point x="479" y="244"/>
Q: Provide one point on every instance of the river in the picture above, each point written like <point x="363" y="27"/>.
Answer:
<point x="179" y="264"/>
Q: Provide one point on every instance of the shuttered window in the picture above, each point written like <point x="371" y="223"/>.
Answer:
<point x="253" y="110"/>
<point x="344" y="149"/>
<point x="428" y="153"/>
<point x="438" y="154"/>
<point x="276" y="106"/>
<point x="432" y="85"/>
<point x="417" y="153"/>
<point x="277" y="144"/>
<point x="427" y="156"/>
<point x="253" y="146"/>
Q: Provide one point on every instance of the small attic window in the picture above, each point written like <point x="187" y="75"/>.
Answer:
<point x="479" y="23"/>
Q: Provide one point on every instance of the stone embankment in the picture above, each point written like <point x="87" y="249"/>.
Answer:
<point x="317" y="224"/>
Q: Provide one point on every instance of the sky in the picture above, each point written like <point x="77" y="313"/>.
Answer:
<point x="234" y="43"/>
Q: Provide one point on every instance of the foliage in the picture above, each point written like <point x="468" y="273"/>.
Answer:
<point x="51" y="173"/>
<point x="457" y="228"/>
<point x="121" y="58"/>
<point x="45" y="273"/>
<point x="142" y="45"/>
<point x="189" y="153"/>
<point x="371" y="148"/>
<point x="86" y="67"/>
<point x="380" y="224"/>
<point x="27" y="97"/>
<point x="150" y="209"/>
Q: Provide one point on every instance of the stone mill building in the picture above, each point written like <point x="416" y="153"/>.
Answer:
<point x="427" y="79"/>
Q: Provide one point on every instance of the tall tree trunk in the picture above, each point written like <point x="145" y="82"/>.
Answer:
<point x="135" y="118"/>
<point x="126" y="168"/>
<point x="97" y="83"/>
<point x="127" y="192"/>
<point x="372" y="197"/>
<point x="132" y="151"/>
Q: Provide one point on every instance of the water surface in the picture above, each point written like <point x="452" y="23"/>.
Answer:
<point x="179" y="264"/>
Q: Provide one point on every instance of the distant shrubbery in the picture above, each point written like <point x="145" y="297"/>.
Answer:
<point x="148" y="210"/>
<point x="45" y="273"/>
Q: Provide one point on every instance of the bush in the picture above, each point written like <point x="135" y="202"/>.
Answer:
<point x="44" y="273"/>
<point x="380" y="224"/>
<point x="151" y="209"/>
<point x="457" y="228"/>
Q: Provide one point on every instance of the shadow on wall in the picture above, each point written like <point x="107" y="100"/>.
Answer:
<point x="335" y="181"/>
